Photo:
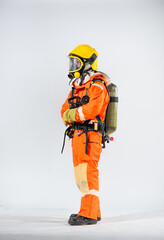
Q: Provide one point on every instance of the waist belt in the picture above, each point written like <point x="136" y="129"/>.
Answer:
<point x="85" y="127"/>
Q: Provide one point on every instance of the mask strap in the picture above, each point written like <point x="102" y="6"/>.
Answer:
<point x="84" y="74"/>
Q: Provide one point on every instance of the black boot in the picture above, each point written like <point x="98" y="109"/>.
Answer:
<point x="74" y="215"/>
<point x="80" y="220"/>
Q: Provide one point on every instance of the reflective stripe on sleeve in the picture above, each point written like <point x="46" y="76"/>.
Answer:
<point x="81" y="115"/>
<point x="92" y="192"/>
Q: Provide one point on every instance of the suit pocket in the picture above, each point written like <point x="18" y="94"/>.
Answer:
<point x="94" y="144"/>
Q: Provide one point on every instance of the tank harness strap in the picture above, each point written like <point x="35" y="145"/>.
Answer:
<point x="73" y="92"/>
<point x="101" y="124"/>
<point x="85" y="130"/>
<point x="105" y="137"/>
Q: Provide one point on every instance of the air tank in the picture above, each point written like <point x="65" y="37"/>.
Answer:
<point x="111" y="112"/>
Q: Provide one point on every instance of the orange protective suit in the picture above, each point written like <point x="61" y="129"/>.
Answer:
<point x="86" y="165"/>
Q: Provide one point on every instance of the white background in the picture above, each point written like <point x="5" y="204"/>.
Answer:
<point x="35" y="40"/>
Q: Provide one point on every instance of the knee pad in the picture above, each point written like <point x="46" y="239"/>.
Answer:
<point x="81" y="177"/>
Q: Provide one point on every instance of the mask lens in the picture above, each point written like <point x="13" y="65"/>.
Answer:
<point x="74" y="64"/>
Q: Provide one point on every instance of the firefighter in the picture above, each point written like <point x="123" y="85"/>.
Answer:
<point x="84" y="112"/>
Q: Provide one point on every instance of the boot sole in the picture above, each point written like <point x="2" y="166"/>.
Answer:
<point x="82" y="223"/>
<point x="74" y="215"/>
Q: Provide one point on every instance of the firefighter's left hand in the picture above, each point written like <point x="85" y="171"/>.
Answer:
<point x="64" y="118"/>
<point x="69" y="116"/>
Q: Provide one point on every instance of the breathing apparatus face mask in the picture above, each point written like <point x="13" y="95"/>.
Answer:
<point x="79" y="67"/>
<point x="75" y="65"/>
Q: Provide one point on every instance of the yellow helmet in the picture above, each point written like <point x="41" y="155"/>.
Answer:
<point x="79" y="56"/>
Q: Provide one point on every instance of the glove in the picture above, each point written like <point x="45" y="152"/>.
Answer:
<point x="65" y="118"/>
<point x="69" y="116"/>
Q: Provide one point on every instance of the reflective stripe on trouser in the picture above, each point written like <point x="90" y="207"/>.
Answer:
<point x="86" y="171"/>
